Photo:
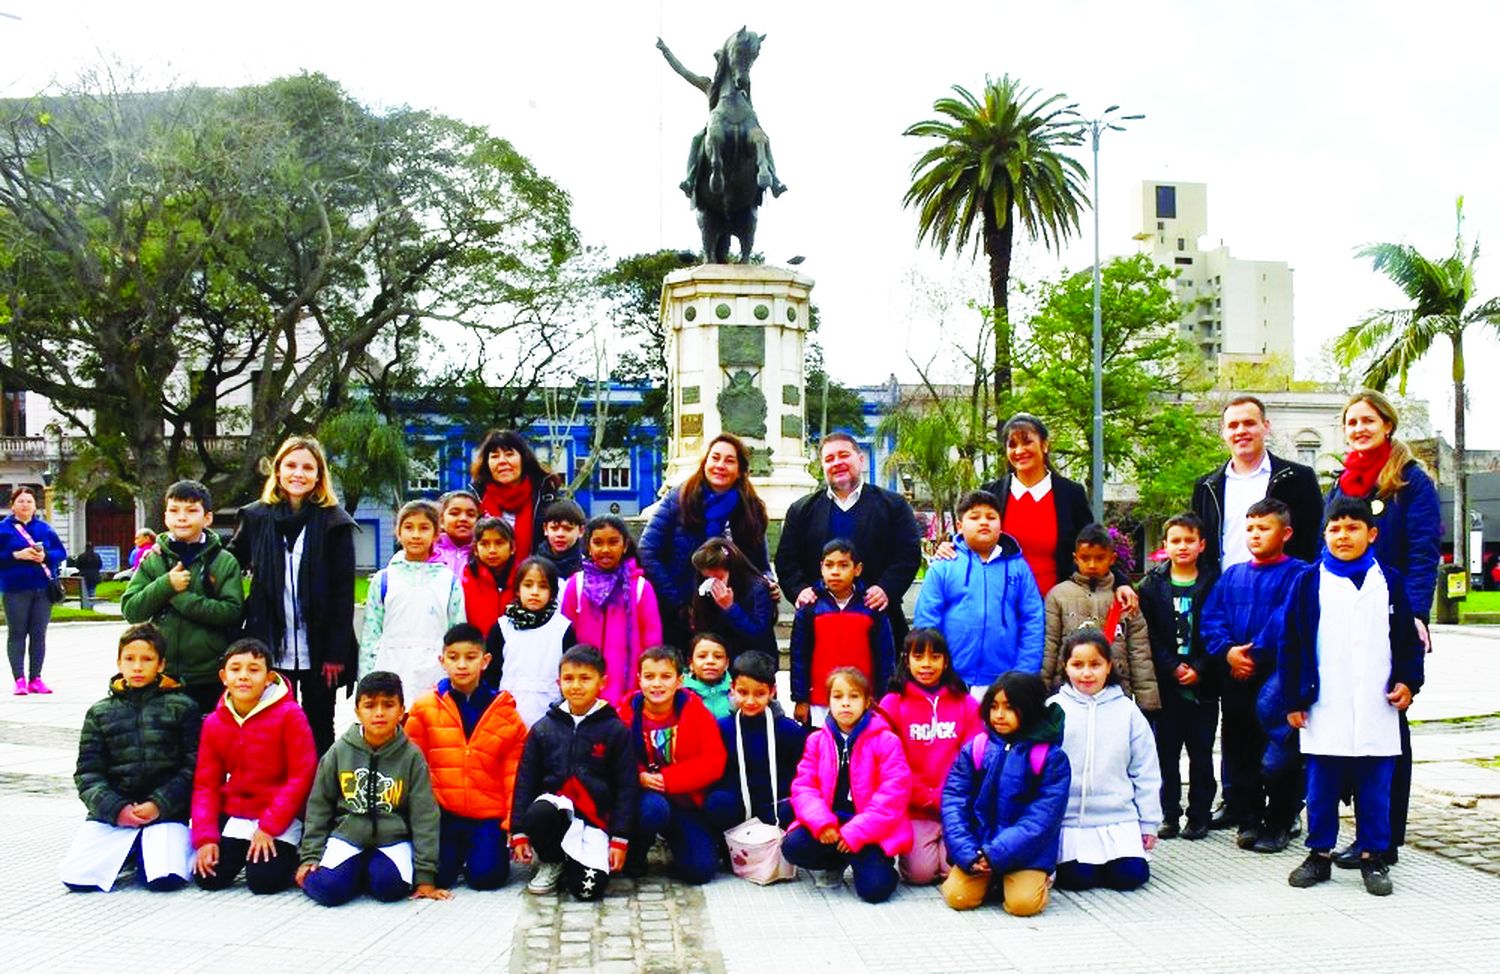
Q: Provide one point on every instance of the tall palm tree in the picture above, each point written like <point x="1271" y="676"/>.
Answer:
<point x="999" y="161"/>
<point x="1391" y="341"/>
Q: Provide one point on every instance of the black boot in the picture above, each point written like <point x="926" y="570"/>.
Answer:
<point x="1223" y="818"/>
<point x="1273" y="838"/>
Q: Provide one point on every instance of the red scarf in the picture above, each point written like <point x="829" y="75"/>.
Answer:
<point x="515" y="499"/>
<point x="1362" y="470"/>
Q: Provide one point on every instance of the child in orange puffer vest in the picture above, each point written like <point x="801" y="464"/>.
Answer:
<point x="471" y="736"/>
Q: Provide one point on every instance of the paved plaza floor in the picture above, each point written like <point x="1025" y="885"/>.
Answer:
<point x="1209" y="906"/>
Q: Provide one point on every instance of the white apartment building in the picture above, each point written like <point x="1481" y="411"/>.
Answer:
<point x="1237" y="308"/>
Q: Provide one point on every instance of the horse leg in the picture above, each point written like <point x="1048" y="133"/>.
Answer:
<point x="695" y="155"/>
<point x="715" y="146"/>
<point x="747" y="234"/>
<point x="763" y="174"/>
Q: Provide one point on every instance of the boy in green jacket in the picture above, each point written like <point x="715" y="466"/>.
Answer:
<point x="188" y="584"/>
<point x="372" y="820"/>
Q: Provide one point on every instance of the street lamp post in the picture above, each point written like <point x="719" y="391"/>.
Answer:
<point x="1097" y="127"/>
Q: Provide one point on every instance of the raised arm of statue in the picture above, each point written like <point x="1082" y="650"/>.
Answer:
<point x="696" y="80"/>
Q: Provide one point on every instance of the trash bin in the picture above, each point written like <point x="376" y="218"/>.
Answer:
<point x="1452" y="590"/>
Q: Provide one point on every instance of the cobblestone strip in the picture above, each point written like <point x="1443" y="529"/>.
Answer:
<point x="1466" y="830"/>
<point x="645" y="926"/>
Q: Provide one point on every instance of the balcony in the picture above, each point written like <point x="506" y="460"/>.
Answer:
<point x="23" y="448"/>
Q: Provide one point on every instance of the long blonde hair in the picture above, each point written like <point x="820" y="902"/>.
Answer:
<point x="322" y="495"/>
<point x="1391" y="479"/>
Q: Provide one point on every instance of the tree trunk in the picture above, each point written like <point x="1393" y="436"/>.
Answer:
<point x="998" y="238"/>
<point x="1460" y="459"/>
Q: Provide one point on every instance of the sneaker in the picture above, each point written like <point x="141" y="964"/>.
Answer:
<point x="37" y="686"/>
<point x="545" y="879"/>
<point x="1376" y="875"/>
<point x="1195" y="831"/>
<point x="828" y="878"/>
<point x="21" y="688"/>
<point x="1315" y="869"/>
<point x="1247" y="836"/>
<point x="1169" y="830"/>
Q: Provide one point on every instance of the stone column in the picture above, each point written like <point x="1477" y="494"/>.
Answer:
<point x="735" y="335"/>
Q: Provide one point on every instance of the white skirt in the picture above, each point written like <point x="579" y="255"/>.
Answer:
<point x="1098" y="844"/>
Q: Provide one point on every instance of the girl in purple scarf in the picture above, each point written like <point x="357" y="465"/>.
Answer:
<point x="611" y="604"/>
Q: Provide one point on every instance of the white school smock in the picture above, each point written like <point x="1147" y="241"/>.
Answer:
<point x="529" y="667"/>
<point x="1351" y="716"/>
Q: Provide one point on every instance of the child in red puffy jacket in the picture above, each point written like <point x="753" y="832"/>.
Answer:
<point x="256" y="762"/>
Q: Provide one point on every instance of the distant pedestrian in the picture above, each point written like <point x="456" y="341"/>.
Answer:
<point x="89" y="565"/>
<point x="30" y="555"/>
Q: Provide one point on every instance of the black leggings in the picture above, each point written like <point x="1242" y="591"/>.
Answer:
<point x="270" y="876"/>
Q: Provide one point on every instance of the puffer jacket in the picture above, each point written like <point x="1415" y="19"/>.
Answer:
<point x="1003" y="809"/>
<point x="374" y="797"/>
<point x="1080" y="602"/>
<point x="1112" y="752"/>
<point x="879" y="784"/>
<point x="259" y="767"/>
<point x="667" y="547"/>
<point x="473" y="776"/>
<point x="138" y="744"/>
<point x="932" y="725"/>
<point x="990" y="612"/>
<point x="200" y="621"/>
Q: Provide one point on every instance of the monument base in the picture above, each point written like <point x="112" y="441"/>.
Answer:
<point x="735" y="340"/>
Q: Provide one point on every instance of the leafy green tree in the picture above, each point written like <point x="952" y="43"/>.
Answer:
<point x="1152" y="434"/>
<point x="1388" y="342"/>
<point x="161" y="252"/>
<point x="929" y="438"/>
<point x="633" y="288"/>
<point x="999" y="161"/>
<point x="367" y="455"/>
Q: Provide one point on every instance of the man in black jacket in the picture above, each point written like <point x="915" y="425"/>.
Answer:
<point x="879" y="522"/>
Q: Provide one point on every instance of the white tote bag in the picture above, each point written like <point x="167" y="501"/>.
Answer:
<point x="755" y="846"/>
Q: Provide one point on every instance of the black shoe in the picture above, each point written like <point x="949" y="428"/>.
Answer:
<point x="1247" y="836"/>
<point x="1169" y="830"/>
<point x="1376" y="875"/>
<point x="1315" y="869"/>
<point x="1195" y="831"/>
<point x="1391" y="856"/>
<point x="1296" y="828"/>
<point x="1223" y="818"/>
<point x="1272" y="840"/>
<point x="1347" y="857"/>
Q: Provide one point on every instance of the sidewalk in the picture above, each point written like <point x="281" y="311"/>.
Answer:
<point x="1209" y="906"/>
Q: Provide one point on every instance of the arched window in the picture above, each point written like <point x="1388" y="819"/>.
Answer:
<point x="1309" y="444"/>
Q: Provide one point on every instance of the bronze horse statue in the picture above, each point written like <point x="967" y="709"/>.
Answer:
<point x="730" y="165"/>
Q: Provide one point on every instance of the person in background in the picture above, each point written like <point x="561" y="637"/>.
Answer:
<point x="144" y="540"/>
<point x="89" y="565"/>
<point x="30" y="555"/>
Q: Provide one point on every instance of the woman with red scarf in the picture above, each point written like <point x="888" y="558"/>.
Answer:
<point x="513" y="485"/>
<point x="1380" y="469"/>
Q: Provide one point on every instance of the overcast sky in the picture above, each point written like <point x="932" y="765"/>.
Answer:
<point x="1317" y="126"/>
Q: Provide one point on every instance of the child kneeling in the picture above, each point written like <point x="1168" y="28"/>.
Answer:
<point x="851" y="793"/>
<point x="1004" y="799"/>
<point x="372" y="822"/>
<point x="136" y="754"/>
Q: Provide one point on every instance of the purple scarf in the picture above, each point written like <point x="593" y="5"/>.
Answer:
<point x="603" y="589"/>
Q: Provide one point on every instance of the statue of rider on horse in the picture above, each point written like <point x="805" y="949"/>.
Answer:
<point x="730" y="165"/>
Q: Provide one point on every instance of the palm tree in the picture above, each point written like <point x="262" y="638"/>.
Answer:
<point x="998" y="161"/>
<point x="1391" y="341"/>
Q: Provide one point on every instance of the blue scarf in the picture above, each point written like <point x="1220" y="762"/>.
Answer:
<point x="717" y="509"/>
<point x="1355" y="570"/>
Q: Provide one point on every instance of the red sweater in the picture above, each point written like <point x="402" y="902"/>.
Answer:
<point x="697" y="749"/>
<point x="484" y="602"/>
<point x="1034" y="526"/>
<point x="258" y="768"/>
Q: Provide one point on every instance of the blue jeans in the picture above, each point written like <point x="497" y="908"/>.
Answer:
<point x="27" y="613"/>
<point x="337" y="885"/>
<point x="478" y="847"/>
<point x="695" y="848"/>
<point x="875" y="875"/>
<point x="1369" y="779"/>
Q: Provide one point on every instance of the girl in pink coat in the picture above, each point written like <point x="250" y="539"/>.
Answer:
<point x="612" y="606"/>
<point x="850" y="794"/>
<point x="932" y="712"/>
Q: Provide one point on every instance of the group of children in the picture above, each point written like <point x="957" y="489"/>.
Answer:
<point x="553" y="728"/>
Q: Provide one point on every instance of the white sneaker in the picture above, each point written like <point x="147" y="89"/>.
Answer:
<point x="545" y="879"/>
<point x="828" y="878"/>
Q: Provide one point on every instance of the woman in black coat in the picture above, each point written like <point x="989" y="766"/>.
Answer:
<point x="297" y="543"/>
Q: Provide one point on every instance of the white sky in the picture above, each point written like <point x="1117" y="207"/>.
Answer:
<point x="1317" y="126"/>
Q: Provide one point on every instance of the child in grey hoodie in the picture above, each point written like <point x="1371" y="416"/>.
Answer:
<point x="1114" y="802"/>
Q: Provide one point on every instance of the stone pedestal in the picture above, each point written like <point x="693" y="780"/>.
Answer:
<point x="735" y="335"/>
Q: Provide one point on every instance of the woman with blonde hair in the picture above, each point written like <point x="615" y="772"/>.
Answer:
<point x="1379" y="468"/>
<point x="297" y="543"/>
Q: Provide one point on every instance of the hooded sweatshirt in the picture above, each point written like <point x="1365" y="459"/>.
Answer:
<point x="1004" y="809"/>
<point x="1113" y="756"/>
<point x="259" y="766"/>
<point x="989" y="611"/>
<point x="933" y="725"/>
<point x="374" y="797"/>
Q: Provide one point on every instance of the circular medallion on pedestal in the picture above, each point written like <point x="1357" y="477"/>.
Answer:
<point x="691" y="313"/>
<point x="722" y="311"/>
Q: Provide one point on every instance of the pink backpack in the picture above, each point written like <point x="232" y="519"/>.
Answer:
<point x="1037" y="757"/>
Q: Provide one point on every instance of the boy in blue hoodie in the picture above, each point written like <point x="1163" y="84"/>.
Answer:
<point x="985" y="601"/>
<point x="1242" y="631"/>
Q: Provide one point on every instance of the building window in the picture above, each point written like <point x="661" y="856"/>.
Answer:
<point x="422" y="474"/>
<point x="1308" y="445"/>
<point x="1181" y="244"/>
<point x="1160" y="225"/>
<point x="1186" y="261"/>
<point x="613" y="471"/>
<point x="1166" y="202"/>
<point x="12" y="413"/>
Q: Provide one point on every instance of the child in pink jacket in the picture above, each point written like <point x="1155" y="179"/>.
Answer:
<point x="850" y="794"/>
<point x="933" y="714"/>
<point x="612" y="606"/>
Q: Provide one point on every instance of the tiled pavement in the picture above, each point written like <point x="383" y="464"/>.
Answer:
<point x="1209" y="906"/>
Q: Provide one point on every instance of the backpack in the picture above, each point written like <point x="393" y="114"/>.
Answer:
<point x="1036" y="758"/>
